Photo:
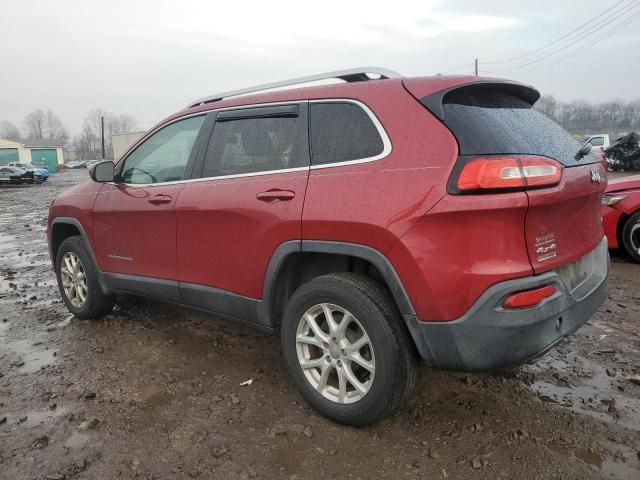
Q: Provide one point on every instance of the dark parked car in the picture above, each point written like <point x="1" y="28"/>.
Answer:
<point x="363" y="222"/>
<point x="624" y="153"/>
<point x="18" y="175"/>
<point x="39" y="174"/>
<point x="10" y="175"/>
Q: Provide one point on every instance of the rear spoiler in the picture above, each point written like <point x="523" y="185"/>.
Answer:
<point x="435" y="101"/>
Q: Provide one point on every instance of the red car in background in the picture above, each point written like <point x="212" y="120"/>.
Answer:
<point x="621" y="214"/>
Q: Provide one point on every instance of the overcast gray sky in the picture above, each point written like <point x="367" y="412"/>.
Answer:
<point x="151" y="57"/>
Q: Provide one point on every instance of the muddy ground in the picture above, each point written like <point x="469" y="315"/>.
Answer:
<point x="153" y="391"/>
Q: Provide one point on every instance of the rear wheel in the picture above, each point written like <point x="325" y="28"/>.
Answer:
<point x="631" y="236"/>
<point x="78" y="281"/>
<point x="347" y="349"/>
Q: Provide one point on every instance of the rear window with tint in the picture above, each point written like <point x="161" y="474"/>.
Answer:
<point x="341" y="132"/>
<point x="494" y="122"/>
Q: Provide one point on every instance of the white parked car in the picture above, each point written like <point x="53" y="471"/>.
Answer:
<point x="599" y="142"/>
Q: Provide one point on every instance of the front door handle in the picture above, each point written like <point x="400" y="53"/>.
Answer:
<point x="275" y="195"/>
<point x="160" y="199"/>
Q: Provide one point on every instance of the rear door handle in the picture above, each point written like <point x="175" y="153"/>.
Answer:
<point x="159" y="199"/>
<point x="275" y="194"/>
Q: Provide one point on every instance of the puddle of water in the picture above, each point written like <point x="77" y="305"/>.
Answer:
<point x="619" y="470"/>
<point x="590" y="391"/>
<point x="622" y="469"/>
<point x="77" y="440"/>
<point x="589" y="457"/>
<point x="34" y="358"/>
<point x="588" y="397"/>
<point x="36" y="417"/>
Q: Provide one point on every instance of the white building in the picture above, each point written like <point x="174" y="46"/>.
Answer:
<point x="122" y="141"/>
<point x="32" y="150"/>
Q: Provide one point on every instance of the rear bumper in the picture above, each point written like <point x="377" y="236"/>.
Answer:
<point x="490" y="337"/>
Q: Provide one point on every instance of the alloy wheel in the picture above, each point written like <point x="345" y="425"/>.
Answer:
<point x="335" y="353"/>
<point x="74" y="279"/>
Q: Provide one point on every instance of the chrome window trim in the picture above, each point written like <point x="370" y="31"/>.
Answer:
<point x="204" y="179"/>
<point x="386" y="143"/>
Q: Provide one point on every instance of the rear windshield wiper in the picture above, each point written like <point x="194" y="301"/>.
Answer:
<point x="584" y="150"/>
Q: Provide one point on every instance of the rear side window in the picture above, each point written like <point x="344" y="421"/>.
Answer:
<point x="341" y="132"/>
<point x="251" y="145"/>
<point x="486" y="121"/>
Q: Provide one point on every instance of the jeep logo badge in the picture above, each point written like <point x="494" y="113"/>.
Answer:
<point x="595" y="176"/>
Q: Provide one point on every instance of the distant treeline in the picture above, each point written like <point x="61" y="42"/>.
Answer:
<point x="583" y="117"/>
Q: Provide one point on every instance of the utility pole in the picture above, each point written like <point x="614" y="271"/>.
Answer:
<point x="102" y="127"/>
<point x="476" y="67"/>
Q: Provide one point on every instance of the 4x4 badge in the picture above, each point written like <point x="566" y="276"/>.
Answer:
<point x="595" y="176"/>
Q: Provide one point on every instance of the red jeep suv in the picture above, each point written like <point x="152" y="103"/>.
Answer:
<point x="368" y="222"/>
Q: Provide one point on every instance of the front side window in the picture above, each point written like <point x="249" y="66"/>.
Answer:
<point x="341" y="132"/>
<point x="597" y="141"/>
<point x="164" y="155"/>
<point x="251" y="145"/>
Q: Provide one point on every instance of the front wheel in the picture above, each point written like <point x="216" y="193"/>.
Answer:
<point x="631" y="236"/>
<point x="78" y="281"/>
<point x="347" y="348"/>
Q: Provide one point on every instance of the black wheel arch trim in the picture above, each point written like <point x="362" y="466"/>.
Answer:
<point x="76" y="223"/>
<point x="373" y="256"/>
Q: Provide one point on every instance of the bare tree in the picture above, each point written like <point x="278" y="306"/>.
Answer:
<point x="9" y="131"/>
<point x="123" y="123"/>
<point x="88" y="144"/>
<point x="35" y="124"/>
<point x="548" y="105"/>
<point x="582" y="117"/>
<point x="54" y="127"/>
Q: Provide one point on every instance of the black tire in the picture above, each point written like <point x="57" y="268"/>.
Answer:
<point x="631" y="235"/>
<point x="395" y="357"/>
<point x="97" y="304"/>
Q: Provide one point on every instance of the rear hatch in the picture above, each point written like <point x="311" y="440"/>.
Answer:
<point x="497" y="121"/>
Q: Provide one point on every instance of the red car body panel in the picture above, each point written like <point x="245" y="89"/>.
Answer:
<point x="614" y="216"/>
<point x="632" y="182"/>
<point x="77" y="203"/>
<point x="563" y="222"/>
<point x="133" y="235"/>
<point x="226" y="237"/>
<point x="375" y="203"/>
<point x="462" y="247"/>
<point x="611" y="220"/>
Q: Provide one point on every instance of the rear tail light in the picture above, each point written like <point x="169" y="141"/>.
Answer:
<point x="528" y="298"/>
<point x="506" y="173"/>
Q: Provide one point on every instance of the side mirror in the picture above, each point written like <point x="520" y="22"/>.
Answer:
<point x="103" y="172"/>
